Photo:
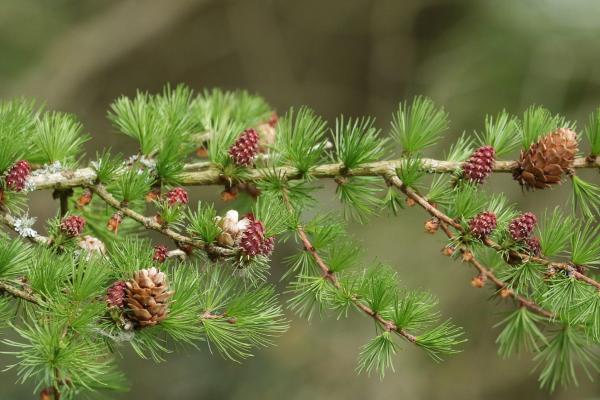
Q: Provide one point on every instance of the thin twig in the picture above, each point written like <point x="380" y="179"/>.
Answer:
<point x="151" y="223"/>
<point x="330" y="276"/>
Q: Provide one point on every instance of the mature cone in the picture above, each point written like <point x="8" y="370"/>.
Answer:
<point x="482" y="224"/>
<point x="547" y="160"/>
<point x="479" y="166"/>
<point x="245" y="148"/>
<point x="521" y="227"/>
<point x="253" y="241"/>
<point x="73" y="225"/>
<point x="147" y="297"/>
<point x="177" y="196"/>
<point x="17" y="175"/>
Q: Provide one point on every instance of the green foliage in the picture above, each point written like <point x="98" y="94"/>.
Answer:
<point x="460" y="150"/>
<point x="418" y="125"/>
<point x="359" y="197"/>
<point x="357" y="142"/>
<point x="501" y="133"/>
<point x="441" y="340"/>
<point x="57" y="137"/>
<point x="132" y="185"/>
<point x="13" y="257"/>
<point x="558" y="360"/>
<point x="201" y="223"/>
<point x="410" y="171"/>
<point x="520" y="333"/>
<point x="586" y="196"/>
<point x="377" y="355"/>
<point x="592" y="132"/>
<point x="106" y="166"/>
<point x="555" y="231"/>
<point x="585" y="244"/>
<point x="17" y="124"/>
<point x="539" y="121"/>
<point x="300" y="139"/>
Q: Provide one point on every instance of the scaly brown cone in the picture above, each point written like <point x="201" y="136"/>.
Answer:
<point x="147" y="297"/>
<point x="547" y="160"/>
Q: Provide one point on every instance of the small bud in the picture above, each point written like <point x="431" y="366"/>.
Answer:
<point x="72" y="226"/>
<point x="432" y="225"/>
<point x="201" y="151"/>
<point x="114" y="222"/>
<point x="467" y="256"/>
<point x="448" y="251"/>
<point x="85" y="198"/>
<point x="160" y="253"/>
<point x="229" y="195"/>
<point x="478" y="281"/>
<point x="153" y="194"/>
<point x="505" y="292"/>
<point x="410" y="202"/>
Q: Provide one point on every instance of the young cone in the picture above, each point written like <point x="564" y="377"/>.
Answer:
<point x="521" y="227"/>
<point x="482" y="224"/>
<point x="17" y="175"/>
<point x="477" y="168"/>
<point x="547" y="160"/>
<point x="72" y="226"/>
<point x="253" y="241"/>
<point x="245" y="148"/>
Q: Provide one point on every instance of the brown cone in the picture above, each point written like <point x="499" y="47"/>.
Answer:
<point x="147" y="297"/>
<point x="547" y="160"/>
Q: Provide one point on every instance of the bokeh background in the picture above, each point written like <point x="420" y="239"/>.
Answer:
<point x="355" y="57"/>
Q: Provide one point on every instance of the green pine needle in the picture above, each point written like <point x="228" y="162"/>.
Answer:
<point x="418" y="125"/>
<point x="592" y="132"/>
<point x="520" y="333"/>
<point x="376" y="355"/>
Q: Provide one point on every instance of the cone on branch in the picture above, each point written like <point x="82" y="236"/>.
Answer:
<point x="115" y="295"/>
<point x="160" y="253"/>
<point x="482" y="224"/>
<point x="17" y="175"/>
<point x="147" y="297"/>
<point x="177" y="196"/>
<point x="244" y="149"/>
<point x="521" y="227"/>
<point x="85" y="198"/>
<point x="479" y="166"/>
<point x="72" y="225"/>
<point x="253" y="241"/>
<point x="546" y="161"/>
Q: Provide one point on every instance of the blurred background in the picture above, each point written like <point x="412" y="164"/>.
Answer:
<point x="356" y="57"/>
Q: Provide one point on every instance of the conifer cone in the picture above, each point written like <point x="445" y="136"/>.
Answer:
<point x="160" y="253"/>
<point x="521" y="227"/>
<point x="253" y="241"/>
<point x="245" y="148"/>
<point x="232" y="228"/>
<point x="17" y="175"/>
<point x="147" y="297"/>
<point x="482" y="224"/>
<point x="547" y="160"/>
<point x="534" y="246"/>
<point x="73" y="225"/>
<point x="115" y="295"/>
<point x="177" y="196"/>
<point x="479" y="166"/>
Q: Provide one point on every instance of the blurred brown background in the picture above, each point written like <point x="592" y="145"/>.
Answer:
<point x="354" y="57"/>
